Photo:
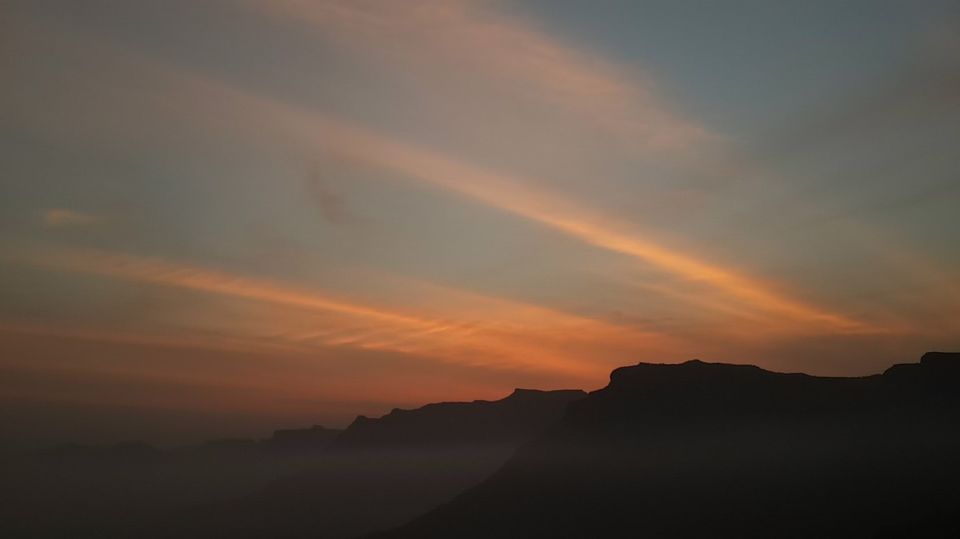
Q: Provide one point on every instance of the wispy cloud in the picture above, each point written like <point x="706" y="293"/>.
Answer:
<point x="514" y="194"/>
<point x="508" y="341"/>
<point x="479" y="44"/>
<point x="158" y="271"/>
<point x="222" y="343"/>
<point x="62" y="218"/>
<point x="504" y="191"/>
<point x="70" y="361"/>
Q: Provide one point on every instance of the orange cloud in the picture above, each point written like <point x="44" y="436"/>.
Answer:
<point x="482" y="343"/>
<point x="67" y="363"/>
<point x="205" y="342"/>
<point x="504" y="191"/>
<point x="462" y="38"/>
<point x="59" y="217"/>
<point x="511" y="193"/>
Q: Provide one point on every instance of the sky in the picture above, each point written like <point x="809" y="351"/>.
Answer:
<point x="219" y="218"/>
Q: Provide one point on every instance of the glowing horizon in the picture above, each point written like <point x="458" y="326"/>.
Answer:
<point x="383" y="203"/>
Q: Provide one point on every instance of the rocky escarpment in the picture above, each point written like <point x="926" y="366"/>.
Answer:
<point x="701" y="449"/>
<point x="511" y="420"/>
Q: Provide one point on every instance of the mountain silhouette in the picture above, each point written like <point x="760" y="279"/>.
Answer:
<point x="690" y="450"/>
<point x="715" y="450"/>
<point x="510" y="420"/>
<point x="314" y="438"/>
<point x="381" y="472"/>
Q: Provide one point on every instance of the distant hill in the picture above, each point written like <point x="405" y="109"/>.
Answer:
<point x="307" y="440"/>
<point x="314" y="438"/>
<point x="514" y="419"/>
<point x="382" y="472"/>
<point x="131" y="489"/>
<point x="716" y="450"/>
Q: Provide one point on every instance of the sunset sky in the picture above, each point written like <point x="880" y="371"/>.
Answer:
<point x="224" y="217"/>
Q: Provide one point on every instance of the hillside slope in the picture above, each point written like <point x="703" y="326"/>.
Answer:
<point x="701" y="449"/>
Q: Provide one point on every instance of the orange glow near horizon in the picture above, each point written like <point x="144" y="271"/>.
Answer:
<point x="384" y="203"/>
<point x="505" y="192"/>
<point x="514" y="336"/>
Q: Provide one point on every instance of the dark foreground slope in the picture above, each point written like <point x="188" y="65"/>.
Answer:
<point x="292" y="484"/>
<point x="712" y="450"/>
<point x="124" y="489"/>
<point x="382" y="472"/>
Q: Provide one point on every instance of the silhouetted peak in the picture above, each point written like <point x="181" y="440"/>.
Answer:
<point x="935" y="368"/>
<point x="941" y="361"/>
<point x="521" y="393"/>
<point x="903" y="370"/>
<point x="646" y="374"/>
<point x="515" y="418"/>
<point x="754" y="452"/>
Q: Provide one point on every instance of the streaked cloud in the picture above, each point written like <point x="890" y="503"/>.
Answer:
<point x="514" y="337"/>
<point x="481" y="44"/>
<point x="121" y="368"/>
<point x="347" y="201"/>
<point x="513" y="194"/>
<point x="64" y="218"/>
<point x="503" y="191"/>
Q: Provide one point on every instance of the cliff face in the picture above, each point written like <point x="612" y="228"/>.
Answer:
<point x="512" y="420"/>
<point x="382" y="472"/>
<point x="701" y="449"/>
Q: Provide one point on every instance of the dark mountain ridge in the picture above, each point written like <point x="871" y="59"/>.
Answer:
<point x="511" y="420"/>
<point x="382" y="472"/>
<point x="701" y="449"/>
